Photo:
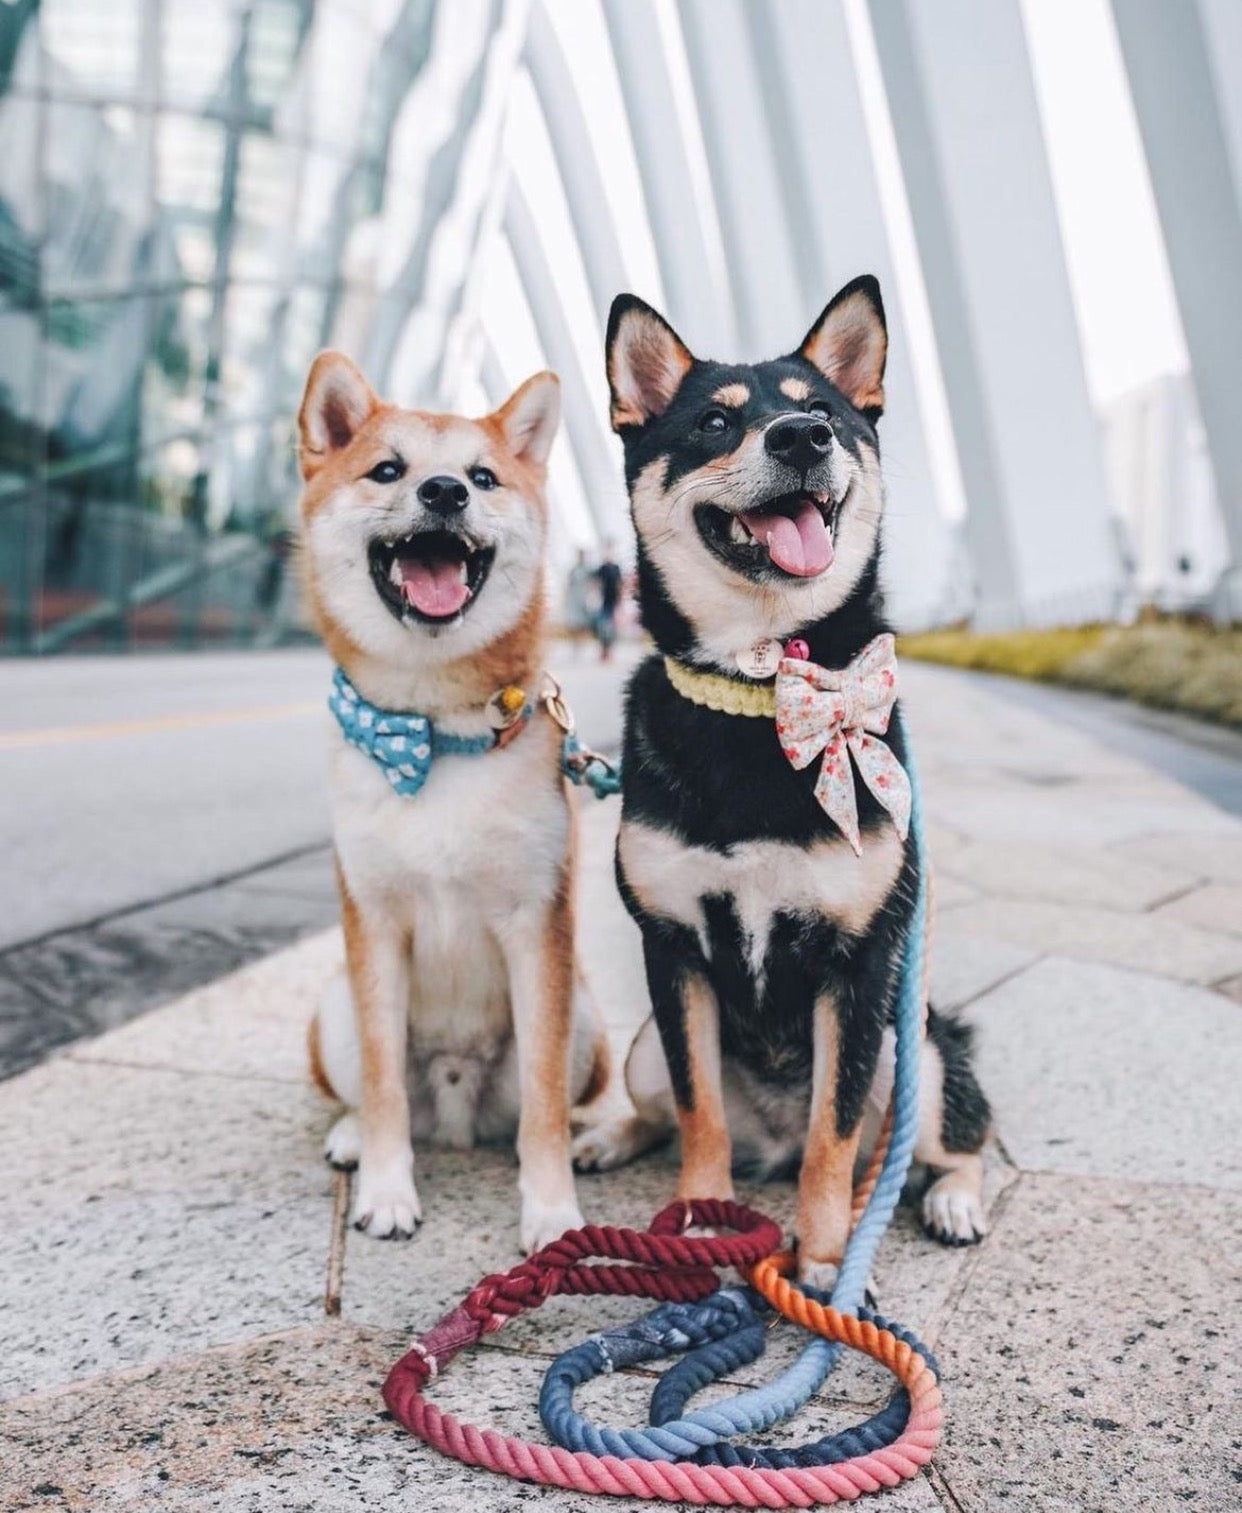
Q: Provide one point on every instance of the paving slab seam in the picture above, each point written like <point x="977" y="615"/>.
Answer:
<point x="943" y="1315"/>
<point x="942" y="1491"/>
<point x="390" y="1339"/>
<point x="996" y="983"/>
<point x="81" y="1058"/>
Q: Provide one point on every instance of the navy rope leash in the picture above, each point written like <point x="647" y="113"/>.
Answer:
<point x="730" y="1324"/>
<point x="699" y="1435"/>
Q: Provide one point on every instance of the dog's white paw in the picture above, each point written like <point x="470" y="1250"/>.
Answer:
<point x="822" y="1275"/>
<point x="386" y="1205"/>
<point x="953" y="1210"/>
<point x="343" y="1146"/>
<point x="544" y="1222"/>
<point x="610" y="1143"/>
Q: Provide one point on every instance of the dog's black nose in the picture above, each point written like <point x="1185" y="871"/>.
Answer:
<point x="444" y="495"/>
<point x="800" y="441"/>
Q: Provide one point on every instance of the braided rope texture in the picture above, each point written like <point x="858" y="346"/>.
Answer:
<point x="725" y="695"/>
<point x="675" y="1265"/>
<point x="730" y="1332"/>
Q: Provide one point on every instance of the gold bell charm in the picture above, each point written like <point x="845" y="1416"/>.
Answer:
<point x="506" y="706"/>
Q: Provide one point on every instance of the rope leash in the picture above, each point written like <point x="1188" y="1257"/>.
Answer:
<point x="664" y="1263"/>
<point x="889" y="1447"/>
<point x="701" y="1435"/>
<point x="731" y="1324"/>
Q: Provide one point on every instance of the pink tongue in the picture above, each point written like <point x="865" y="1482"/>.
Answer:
<point x="798" y="543"/>
<point x="433" y="586"/>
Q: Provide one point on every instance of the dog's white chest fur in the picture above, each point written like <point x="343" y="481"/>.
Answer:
<point x="477" y="852"/>
<point x="764" y="878"/>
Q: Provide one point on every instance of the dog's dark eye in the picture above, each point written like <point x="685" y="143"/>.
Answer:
<point x="387" y="471"/>
<point x="714" y="422"/>
<point x="483" y="478"/>
<point x="818" y="407"/>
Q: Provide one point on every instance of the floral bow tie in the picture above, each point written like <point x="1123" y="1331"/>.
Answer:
<point x="841" y="713"/>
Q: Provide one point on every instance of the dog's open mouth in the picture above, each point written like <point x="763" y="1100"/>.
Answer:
<point x="791" y="533"/>
<point x="432" y="576"/>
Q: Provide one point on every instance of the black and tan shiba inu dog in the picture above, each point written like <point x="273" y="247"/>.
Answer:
<point x="772" y="932"/>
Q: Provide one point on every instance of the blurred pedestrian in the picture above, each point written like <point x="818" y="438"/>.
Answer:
<point x="578" y="609"/>
<point x="608" y="576"/>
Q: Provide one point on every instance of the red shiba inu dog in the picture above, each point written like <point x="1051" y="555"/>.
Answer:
<point x="424" y="542"/>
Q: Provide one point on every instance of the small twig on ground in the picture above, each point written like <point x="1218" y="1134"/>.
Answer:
<point x="336" y="1249"/>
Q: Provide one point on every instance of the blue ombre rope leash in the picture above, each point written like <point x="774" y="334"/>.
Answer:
<point x="700" y="1435"/>
<point x="731" y="1323"/>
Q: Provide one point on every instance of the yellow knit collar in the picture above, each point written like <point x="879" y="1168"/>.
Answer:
<point x="725" y="695"/>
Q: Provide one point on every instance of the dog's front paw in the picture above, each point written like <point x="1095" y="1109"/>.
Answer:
<point x="343" y="1147"/>
<point x="822" y="1275"/>
<point x="610" y="1143"/>
<point x="953" y="1210"/>
<point x="386" y="1205"/>
<point x="544" y="1222"/>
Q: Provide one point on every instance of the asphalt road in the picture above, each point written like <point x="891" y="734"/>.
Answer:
<point x="130" y="779"/>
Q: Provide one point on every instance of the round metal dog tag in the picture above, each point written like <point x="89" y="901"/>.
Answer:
<point x="760" y="660"/>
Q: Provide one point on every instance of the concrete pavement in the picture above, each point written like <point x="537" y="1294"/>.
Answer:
<point x="165" y="1230"/>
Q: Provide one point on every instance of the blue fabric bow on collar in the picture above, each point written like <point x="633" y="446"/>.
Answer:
<point x="402" y="745"/>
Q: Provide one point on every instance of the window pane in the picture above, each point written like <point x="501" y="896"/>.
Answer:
<point x="93" y="50"/>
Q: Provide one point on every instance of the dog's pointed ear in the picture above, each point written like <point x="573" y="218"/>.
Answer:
<point x="529" y="417"/>
<point x="849" y="345"/>
<point x="337" y="403"/>
<point x="646" y="362"/>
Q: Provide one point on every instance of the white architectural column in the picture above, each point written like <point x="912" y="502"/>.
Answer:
<point x="580" y="173"/>
<point x="599" y="469"/>
<point x="964" y="112"/>
<point x="832" y="205"/>
<point x="1174" y="80"/>
<point x="441" y="189"/>
<point x="765" y="284"/>
<point x="702" y="313"/>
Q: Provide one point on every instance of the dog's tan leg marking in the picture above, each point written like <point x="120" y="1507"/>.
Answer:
<point x="706" y="1151"/>
<point x="541" y="985"/>
<point x="825" y="1183"/>
<point x="377" y="954"/>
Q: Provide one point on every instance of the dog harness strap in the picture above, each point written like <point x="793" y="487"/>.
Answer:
<point x="404" y="745"/>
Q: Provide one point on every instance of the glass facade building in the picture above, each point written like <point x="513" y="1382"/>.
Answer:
<point x="179" y="181"/>
<point x="196" y="195"/>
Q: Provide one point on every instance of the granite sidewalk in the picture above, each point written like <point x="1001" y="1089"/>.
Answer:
<point x="166" y="1220"/>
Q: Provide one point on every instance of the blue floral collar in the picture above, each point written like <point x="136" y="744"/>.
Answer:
<point x="404" y="745"/>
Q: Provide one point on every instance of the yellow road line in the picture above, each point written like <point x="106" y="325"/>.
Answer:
<point x="59" y="735"/>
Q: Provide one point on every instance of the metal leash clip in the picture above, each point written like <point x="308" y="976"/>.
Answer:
<point x="554" y="702"/>
<point x="580" y="764"/>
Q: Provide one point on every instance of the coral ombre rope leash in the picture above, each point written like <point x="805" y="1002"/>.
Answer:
<point x="674" y="1266"/>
